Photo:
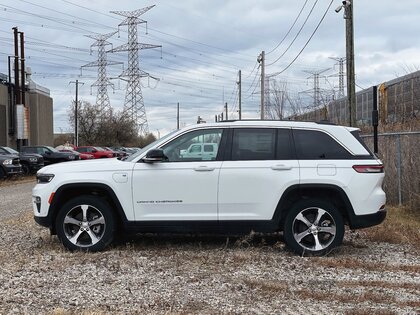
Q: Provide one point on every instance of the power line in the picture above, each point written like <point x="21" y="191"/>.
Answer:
<point x="296" y="36"/>
<point x="291" y="27"/>
<point x="307" y="42"/>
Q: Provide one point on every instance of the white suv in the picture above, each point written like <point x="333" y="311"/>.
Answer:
<point x="308" y="180"/>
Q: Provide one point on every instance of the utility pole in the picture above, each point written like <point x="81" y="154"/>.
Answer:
<point x="351" y="84"/>
<point x="177" y="116"/>
<point x="76" y="103"/>
<point x="261" y="60"/>
<point x="226" y="110"/>
<point x="240" y="94"/>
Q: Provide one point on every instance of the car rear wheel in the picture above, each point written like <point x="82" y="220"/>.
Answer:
<point x="85" y="223"/>
<point x="313" y="227"/>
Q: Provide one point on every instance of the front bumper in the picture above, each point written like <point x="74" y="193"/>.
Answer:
<point x="13" y="169"/>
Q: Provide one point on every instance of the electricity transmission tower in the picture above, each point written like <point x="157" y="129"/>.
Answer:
<point x="341" y="73"/>
<point x="134" y="103"/>
<point x="102" y="99"/>
<point x="316" y="90"/>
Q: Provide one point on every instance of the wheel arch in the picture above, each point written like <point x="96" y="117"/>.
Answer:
<point x="69" y="191"/>
<point x="331" y="193"/>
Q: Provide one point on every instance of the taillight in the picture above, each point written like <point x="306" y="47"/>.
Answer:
<point x="368" y="168"/>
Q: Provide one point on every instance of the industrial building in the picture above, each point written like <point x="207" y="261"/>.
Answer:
<point x="31" y="124"/>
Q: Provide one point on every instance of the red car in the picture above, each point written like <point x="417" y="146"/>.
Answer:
<point x="83" y="156"/>
<point x="97" y="152"/>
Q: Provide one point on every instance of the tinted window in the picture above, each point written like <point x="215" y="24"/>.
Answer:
<point x="187" y="147"/>
<point x="313" y="145"/>
<point x="253" y="144"/>
<point x="284" y="146"/>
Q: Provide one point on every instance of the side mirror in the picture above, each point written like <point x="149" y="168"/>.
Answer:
<point x="94" y="151"/>
<point x="155" y="155"/>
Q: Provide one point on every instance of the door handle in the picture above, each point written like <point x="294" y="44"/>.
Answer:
<point x="204" y="169"/>
<point x="281" y="167"/>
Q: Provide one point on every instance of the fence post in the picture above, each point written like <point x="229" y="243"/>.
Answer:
<point x="398" y="153"/>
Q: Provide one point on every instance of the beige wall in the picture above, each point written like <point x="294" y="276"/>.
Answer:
<point x="40" y="122"/>
<point x="41" y="119"/>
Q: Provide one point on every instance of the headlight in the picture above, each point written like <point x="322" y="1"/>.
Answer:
<point x="71" y="157"/>
<point x="44" y="178"/>
<point x="7" y="162"/>
<point x="33" y="160"/>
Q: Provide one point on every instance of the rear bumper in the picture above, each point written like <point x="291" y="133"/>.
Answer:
<point x="367" y="220"/>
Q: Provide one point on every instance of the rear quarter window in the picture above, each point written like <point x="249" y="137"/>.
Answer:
<point x="315" y="145"/>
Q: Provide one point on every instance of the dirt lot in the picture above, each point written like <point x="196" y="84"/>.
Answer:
<point x="198" y="274"/>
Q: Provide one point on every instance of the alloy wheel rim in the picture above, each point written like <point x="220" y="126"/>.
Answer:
<point x="314" y="229"/>
<point x="84" y="225"/>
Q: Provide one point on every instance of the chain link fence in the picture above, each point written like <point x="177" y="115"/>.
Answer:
<point x="400" y="153"/>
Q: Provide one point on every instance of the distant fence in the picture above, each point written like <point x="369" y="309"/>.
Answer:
<point x="400" y="153"/>
<point x="398" y="102"/>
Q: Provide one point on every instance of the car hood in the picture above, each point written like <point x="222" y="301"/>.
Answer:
<point x="8" y="157"/>
<point x="86" y="166"/>
<point x="28" y="155"/>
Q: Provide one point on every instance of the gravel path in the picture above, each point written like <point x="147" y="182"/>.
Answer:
<point x="15" y="199"/>
<point x="152" y="274"/>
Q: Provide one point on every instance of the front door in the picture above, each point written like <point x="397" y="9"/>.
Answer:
<point x="181" y="188"/>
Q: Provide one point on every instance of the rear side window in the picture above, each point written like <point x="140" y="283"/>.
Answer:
<point x="356" y="134"/>
<point x="314" y="145"/>
<point x="253" y="144"/>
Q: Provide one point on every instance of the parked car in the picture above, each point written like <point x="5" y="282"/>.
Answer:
<point x="50" y="154"/>
<point x="308" y="180"/>
<point x="9" y="165"/>
<point x="31" y="162"/>
<point x="82" y="156"/>
<point x="117" y="153"/>
<point x="206" y="151"/>
<point x="97" y="152"/>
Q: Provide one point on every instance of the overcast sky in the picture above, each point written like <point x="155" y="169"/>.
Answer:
<point x="204" y="44"/>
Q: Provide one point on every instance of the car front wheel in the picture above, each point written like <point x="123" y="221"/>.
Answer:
<point x="313" y="227"/>
<point x="85" y="223"/>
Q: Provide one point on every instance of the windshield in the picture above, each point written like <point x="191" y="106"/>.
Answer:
<point x="52" y="149"/>
<point x="10" y="150"/>
<point x="141" y="151"/>
<point x="98" y="149"/>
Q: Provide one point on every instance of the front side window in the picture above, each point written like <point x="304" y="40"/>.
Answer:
<point x="188" y="147"/>
<point x="314" y="145"/>
<point x="253" y="144"/>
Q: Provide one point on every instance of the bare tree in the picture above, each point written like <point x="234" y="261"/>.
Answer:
<point x="114" y="129"/>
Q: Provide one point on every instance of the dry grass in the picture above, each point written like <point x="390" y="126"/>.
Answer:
<point x="402" y="226"/>
<point x="17" y="180"/>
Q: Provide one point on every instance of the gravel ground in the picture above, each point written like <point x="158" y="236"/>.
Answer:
<point x="197" y="274"/>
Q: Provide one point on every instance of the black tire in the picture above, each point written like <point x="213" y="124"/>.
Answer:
<point x="25" y="169"/>
<point x="85" y="223"/>
<point x="313" y="227"/>
<point x="2" y="173"/>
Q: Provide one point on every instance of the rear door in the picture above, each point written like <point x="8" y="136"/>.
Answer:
<point x="259" y="167"/>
